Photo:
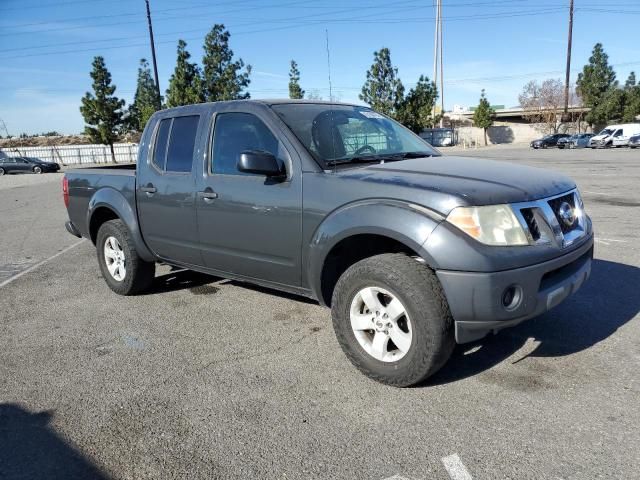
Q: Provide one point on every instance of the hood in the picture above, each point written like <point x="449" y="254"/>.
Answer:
<point x="599" y="137"/>
<point x="441" y="183"/>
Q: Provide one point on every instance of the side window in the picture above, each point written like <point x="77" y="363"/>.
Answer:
<point x="160" y="148"/>
<point x="182" y="142"/>
<point x="235" y="133"/>
<point x="618" y="133"/>
<point x="175" y="143"/>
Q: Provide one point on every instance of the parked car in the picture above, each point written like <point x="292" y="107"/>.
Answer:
<point x="412" y="251"/>
<point x="634" y="141"/>
<point x="615" y="135"/>
<point x="564" y="142"/>
<point x="26" y="165"/>
<point x="580" y="140"/>
<point x="548" y="140"/>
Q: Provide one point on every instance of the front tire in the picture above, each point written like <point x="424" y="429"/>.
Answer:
<point x="1" y="171"/>
<point x="123" y="270"/>
<point x="37" y="170"/>
<point x="392" y="319"/>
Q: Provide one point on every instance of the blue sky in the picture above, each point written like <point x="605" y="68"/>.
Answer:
<point x="46" y="46"/>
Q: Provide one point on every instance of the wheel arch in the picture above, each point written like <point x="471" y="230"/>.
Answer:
<point x="110" y="204"/>
<point x="364" y="229"/>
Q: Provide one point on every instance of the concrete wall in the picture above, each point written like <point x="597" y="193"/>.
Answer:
<point x="508" y="132"/>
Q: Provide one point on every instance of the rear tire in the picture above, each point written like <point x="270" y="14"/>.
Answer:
<point x="123" y="270"/>
<point x="37" y="170"/>
<point x="424" y="328"/>
<point x="1" y="171"/>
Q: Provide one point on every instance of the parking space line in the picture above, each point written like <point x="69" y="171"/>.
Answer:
<point x="455" y="468"/>
<point x="39" y="264"/>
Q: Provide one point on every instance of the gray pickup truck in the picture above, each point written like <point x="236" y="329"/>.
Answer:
<point x="413" y="251"/>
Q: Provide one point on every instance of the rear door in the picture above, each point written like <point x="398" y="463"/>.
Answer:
<point x="166" y="190"/>
<point x="249" y="224"/>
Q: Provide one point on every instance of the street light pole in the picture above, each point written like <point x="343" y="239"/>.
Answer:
<point x="153" y="50"/>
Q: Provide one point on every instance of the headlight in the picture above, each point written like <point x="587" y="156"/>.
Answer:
<point x="491" y="225"/>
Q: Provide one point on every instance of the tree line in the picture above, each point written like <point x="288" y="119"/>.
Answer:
<point x="596" y="88"/>
<point x="221" y="76"/>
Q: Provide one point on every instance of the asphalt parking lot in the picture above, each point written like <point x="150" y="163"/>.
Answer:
<point x="206" y="378"/>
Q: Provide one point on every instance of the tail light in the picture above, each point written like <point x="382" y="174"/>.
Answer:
<point x="65" y="191"/>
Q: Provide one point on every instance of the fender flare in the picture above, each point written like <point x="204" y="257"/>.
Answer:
<point x="404" y="222"/>
<point x="116" y="202"/>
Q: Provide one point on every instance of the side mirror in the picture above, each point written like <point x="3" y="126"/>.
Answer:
<point x="260" y="162"/>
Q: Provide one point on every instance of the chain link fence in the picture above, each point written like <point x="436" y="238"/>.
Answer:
<point x="76" y="154"/>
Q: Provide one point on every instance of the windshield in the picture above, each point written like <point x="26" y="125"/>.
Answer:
<point x="606" y="131"/>
<point x="336" y="134"/>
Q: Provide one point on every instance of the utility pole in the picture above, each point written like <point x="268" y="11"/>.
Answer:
<point x="441" y="68"/>
<point x="326" y="32"/>
<point x="153" y="50"/>
<point x="437" y="58"/>
<point x="568" y="72"/>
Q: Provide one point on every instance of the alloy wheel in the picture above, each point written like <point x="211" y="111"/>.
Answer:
<point x="381" y="324"/>
<point x="115" y="259"/>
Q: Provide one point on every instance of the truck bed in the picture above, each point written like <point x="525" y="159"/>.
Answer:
<point x="117" y="183"/>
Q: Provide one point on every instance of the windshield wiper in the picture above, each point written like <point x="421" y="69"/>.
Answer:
<point x="357" y="159"/>
<point x="389" y="157"/>
<point x="407" y="155"/>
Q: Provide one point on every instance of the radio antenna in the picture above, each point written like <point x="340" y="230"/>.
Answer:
<point x="326" y="31"/>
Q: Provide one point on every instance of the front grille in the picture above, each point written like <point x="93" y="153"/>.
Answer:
<point x="555" y="206"/>
<point x="529" y="217"/>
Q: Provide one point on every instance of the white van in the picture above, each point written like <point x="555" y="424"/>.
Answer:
<point x="615" y="135"/>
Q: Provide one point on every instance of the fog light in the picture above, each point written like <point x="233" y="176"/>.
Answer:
<point x="511" y="297"/>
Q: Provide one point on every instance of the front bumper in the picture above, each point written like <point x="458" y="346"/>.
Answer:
<point x="476" y="299"/>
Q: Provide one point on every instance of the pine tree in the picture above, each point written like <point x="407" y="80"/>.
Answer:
<point x="593" y="82"/>
<point x="224" y="78"/>
<point x="102" y="110"/>
<point x="632" y="99"/>
<point x="145" y="101"/>
<point x="483" y="115"/>
<point x="383" y="90"/>
<point x="185" y="85"/>
<point x="417" y="109"/>
<point x="631" y="80"/>
<point x="295" y="91"/>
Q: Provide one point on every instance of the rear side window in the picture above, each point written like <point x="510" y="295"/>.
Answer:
<point x="182" y="142"/>
<point x="160" y="149"/>
<point x="235" y="133"/>
<point x="175" y="143"/>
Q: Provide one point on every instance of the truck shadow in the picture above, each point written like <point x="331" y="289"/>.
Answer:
<point x="30" y="448"/>
<point x="606" y="302"/>
<point x="179" y="279"/>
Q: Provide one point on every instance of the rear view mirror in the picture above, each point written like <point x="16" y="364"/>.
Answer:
<point x="260" y="162"/>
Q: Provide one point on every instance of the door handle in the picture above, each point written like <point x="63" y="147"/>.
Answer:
<point x="149" y="189"/>
<point x="208" y="195"/>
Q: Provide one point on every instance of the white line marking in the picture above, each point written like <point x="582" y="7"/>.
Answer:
<point x="39" y="264"/>
<point x="612" y="240"/>
<point x="595" y="193"/>
<point x="455" y="468"/>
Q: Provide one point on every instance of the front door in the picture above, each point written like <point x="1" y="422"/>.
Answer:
<point x="166" y="191"/>
<point x="249" y="224"/>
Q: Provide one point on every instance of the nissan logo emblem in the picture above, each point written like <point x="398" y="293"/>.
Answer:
<point x="567" y="214"/>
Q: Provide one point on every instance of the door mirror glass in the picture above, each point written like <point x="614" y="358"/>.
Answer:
<point x="259" y="162"/>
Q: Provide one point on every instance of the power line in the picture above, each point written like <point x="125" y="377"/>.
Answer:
<point x="296" y="24"/>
